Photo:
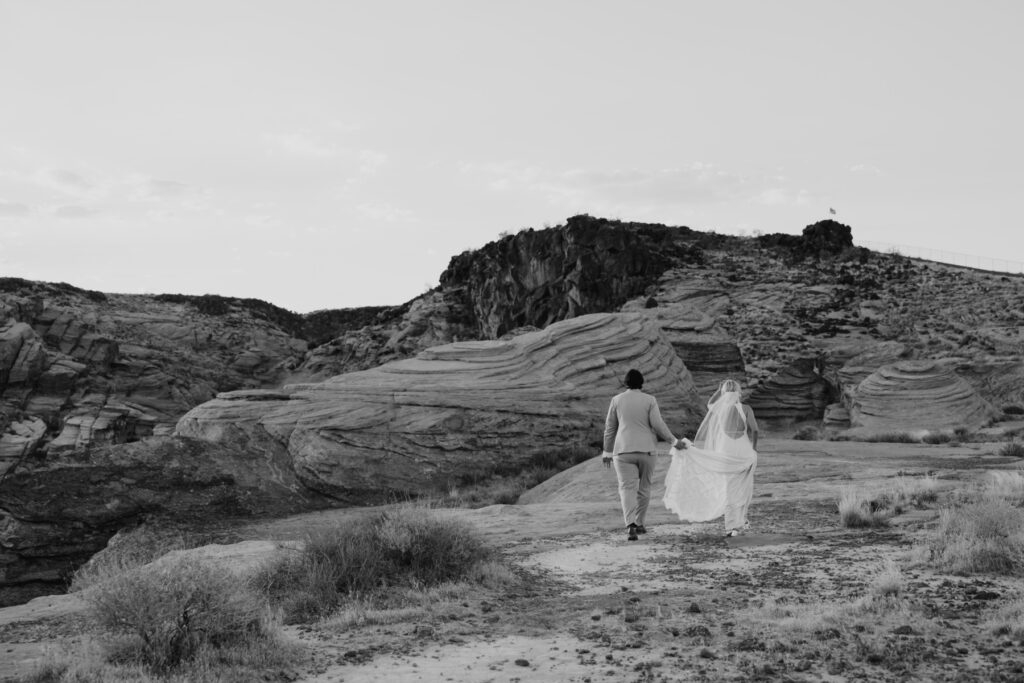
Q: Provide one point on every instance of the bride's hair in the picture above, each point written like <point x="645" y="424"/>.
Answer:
<point x="729" y="385"/>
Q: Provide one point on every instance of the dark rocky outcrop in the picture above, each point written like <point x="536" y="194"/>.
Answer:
<point x="540" y="277"/>
<point x="55" y="515"/>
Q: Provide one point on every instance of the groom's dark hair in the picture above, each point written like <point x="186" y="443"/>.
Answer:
<point x="634" y="380"/>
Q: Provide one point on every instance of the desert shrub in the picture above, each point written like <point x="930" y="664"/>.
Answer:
<point x="888" y="580"/>
<point x="807" y="433"/>
<point x="1008" y="486"/>
<point x="503" y="484"/>
<point x="406" y="546"/>
<point x="169" y="613"/>
<point x="130" y="549"/>
<point x="910" y="492"/>
<point x="892" y="437"/>
<point x="1013" y="410"/>
<point x="1008" y="620"/>
<point x="937" y="437"/>
<point x="1014" y="449"/>
<point x="856" y="510"/>
<point x="986" y="536"/>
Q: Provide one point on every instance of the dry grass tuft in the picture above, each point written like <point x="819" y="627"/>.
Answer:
<point x="888" y="580"/>
<point x="1014" y="449"/>
<point x="129" y="550"/>
<point x="986" y="536"/>
<point x="856" y="510"/>
<point x="405" y="547"/>
<point x="1008" y="620"/>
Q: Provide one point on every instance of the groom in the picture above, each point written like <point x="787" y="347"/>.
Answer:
<point x="631" y="433"/>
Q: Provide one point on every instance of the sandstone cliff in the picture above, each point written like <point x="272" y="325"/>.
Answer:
<point x="81" y="369"/>
<point x="453" y="412"/>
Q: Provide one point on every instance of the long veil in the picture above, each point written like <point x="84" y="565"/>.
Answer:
<point x="717" y="471"/>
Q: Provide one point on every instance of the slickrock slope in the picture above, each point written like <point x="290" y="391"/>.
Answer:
<point x="454" y="412"/>
<point x="924" y="394"/>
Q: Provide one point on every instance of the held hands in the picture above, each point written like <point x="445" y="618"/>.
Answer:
<point x="606" y="458"/>
<point x="682" y="444"/>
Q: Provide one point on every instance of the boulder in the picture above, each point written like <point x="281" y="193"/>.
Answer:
<point x="454" y="412"/>
<point x="917" y="395"/>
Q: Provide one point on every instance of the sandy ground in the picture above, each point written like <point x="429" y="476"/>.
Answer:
<point x="682" y="603"/>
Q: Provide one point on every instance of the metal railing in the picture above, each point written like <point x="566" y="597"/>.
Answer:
<point x="948" y="257"/>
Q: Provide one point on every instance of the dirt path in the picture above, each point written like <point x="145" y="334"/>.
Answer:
<point x="790" y="601"/>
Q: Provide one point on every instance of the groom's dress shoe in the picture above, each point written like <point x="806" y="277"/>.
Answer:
<point x="641" y="529"/>
<point x="632" y="529"/>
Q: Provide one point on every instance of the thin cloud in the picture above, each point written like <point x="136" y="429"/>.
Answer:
<point x="69" y="182"/>
<point x="699" y="183"/>
<point x="783" y="196"/>
<point x="302" y="145"/>
<point x="384" y="212"/>
<point x="14" y="209"/>
<point x="866" y="169"/>
<point x="75" y="211"/>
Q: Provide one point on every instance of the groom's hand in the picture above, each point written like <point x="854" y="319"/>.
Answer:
<point x="606" y="458"/>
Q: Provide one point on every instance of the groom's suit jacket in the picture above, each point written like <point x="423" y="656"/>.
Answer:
<point x="634" y="424"/>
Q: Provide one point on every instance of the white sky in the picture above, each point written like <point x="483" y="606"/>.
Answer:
<point x="337" y="153"/>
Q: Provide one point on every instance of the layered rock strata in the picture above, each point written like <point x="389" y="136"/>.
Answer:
<point x="917" y="395"/>
<point x="81" y="369"/>
<point x="454" y="412"/>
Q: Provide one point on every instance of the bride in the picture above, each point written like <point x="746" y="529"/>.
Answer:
<point x="714" y="474"/>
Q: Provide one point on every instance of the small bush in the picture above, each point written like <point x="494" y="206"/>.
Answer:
<point x="855" y="511"/>
<point x="407" y="546"/>
<point x="981" y="537"/>
<point x="892" y="437"/>
<point x="888" y="580"/>
<point x="128" y="550"/>
<point x="1013" y="410"/>
<point x="911" y="492"/>
<point x="167" y="614"/>
<point x="1014" y="449"/>
<point x="1008" y="620"/>
<point x="807" y="433"/>
<point x="1008" y="486"/>
<point x="937" y="437"/>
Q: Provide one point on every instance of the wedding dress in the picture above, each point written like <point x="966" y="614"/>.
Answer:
<point x="715" y="475"/>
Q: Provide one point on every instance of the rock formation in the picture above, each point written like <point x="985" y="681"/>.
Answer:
<point x="57" y="513"/>
<point x="917" y="395"/>
<point x="540" y="277"/>
<point x="453" y="412"/>
<point x="82" y="369"/>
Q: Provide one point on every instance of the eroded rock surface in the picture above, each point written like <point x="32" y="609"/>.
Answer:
<point x="456" y="411"/>
<point x="917" y="395"/>
<point x="82" y="369"/>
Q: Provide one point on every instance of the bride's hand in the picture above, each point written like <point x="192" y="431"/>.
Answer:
<point x="680" y="444"/>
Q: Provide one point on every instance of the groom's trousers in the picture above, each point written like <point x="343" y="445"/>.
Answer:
<point x="634" y="471"/>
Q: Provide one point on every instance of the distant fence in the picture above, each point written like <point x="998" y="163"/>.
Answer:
<point x="952" y="258"/>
